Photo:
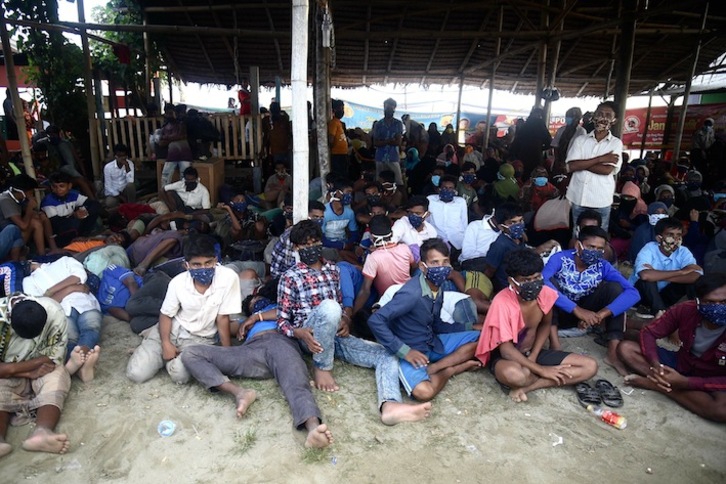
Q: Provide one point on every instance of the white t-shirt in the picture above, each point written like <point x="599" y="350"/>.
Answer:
<point x="197" y="312"/>
<point x="115" y="179"/>
<point x="589" y="189"/>
<point x="195" y="199"/>
<point x="404" y="232"/>
<point x="48" y="275"/>
<point x="478" y="237"/>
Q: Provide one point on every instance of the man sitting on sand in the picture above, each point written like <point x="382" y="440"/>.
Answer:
<point x="695" y="375"/>
<point x="410" y="327"/>
<point x="196" y="310"/>
<point x="265" y="353"/>
<point x="309" y="298"/>
<point x="32" y="376"/>
<point x="516" y="329"/>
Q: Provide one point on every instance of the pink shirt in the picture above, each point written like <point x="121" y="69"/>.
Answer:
<point x="388" y="266"/>
<point x="504" y="321"/>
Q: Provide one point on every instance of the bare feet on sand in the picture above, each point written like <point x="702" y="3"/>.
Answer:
<point x="44" y="440"/>
<point x="88" y="370"/>
<point x="324" y="380"/>
<point x="244" y="398"/>
<point x="518" y="395"/>
<point x="638" y="381"/>
<point x="394" y="412"/>
<point x="75" y="361"/>
<point x="319" y="437"/>
<point x="5" y="448"/>
<point x="615" y="363"/>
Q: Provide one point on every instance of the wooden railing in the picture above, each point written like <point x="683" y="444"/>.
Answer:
<point x="134" y="133"/>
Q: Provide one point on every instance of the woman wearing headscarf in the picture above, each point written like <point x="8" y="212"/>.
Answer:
<point x="667" y="195"/>
<point x="506" y="188"/>
<point x="631" y="212"/>
<point x="434" y="140"/>
<point x="448" y="156"/>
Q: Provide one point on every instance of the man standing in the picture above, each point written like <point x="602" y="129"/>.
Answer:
<point x="593" y="160"/>
<point x="387" y="135"/>
<point x="337" y="140"/>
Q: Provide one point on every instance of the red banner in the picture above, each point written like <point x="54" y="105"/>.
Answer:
<point x="634" y="125"/>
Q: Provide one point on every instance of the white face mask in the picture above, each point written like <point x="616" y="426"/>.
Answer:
<point x="653" y="219"/>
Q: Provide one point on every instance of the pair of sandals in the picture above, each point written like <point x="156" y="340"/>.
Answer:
<point x="603" y="393"/>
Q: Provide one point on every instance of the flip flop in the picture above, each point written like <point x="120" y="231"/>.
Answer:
<point x="587" y="395"/>
<point x="609" y="393"/>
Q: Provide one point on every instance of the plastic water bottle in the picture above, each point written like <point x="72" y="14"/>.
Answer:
<point x="166" y="428"/>
<point x="608" y="416"/>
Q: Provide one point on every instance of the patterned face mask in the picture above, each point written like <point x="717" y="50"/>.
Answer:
<point x="670" y="244"/>
<point x="310" y="255"/>
<point x="446" y="195"/>
<point x="415" y="220"/>
<point x="529" y="290"/>
<point x="516" y="231"/>
<point x="468" y="178"/>
<point x="590" y="256"/>
<point x="260" y="304"/>
<point x="437" y="275"/>
<point x="602" y="123"/>
<point x="203" y="275"/>
<point x="713" y="312"/>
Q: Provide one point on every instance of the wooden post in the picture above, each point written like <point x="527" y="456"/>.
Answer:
<point x="255" y="131"/>
<point x="322" y="93"/>
<point x="90" y="101"/>
<point x="170" y="77"/>
<point x="98" y="95"/>
<point x="553" y="73"/>
<point x="298" y="78"/>
<point x="17" y="103"/>
<point x="687" y="92"/>
<point x="458" y="108"/>
<point x="497" y="50"/>
<point x="625" y="62"/>
<point x="157" y="93"/>
<point x="647" y="122"/>
<point x="542" y="62"/>
<point x="147" y="63"/>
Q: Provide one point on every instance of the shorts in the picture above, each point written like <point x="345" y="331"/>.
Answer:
<point x="410" y="376"/>
<point x="545" y="358"/>
<point x="22" y="395"/>
<point x="477" y="280"/>
<point x="668" y="358"/>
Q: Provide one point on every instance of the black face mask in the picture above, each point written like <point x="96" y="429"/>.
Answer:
<point x="190" y="186"/>
<point x="529" y="291"/>
<point x="373" y="199"/>
<point x="310" y="255"/>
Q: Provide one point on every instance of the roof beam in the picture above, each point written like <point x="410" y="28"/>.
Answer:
<point x="215" y="8"/>
<point x="475" y="41"/>
<point x="201" y="45"/>
<point x="395" y="45"/>
<point x="523" y="16"/>
<point x="436" y="46"/>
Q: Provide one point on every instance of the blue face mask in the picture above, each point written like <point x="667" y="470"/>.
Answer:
<point x="437" y="275"/>
<point x="591" y="256"/>
<point x="718" y="196"/>
<point x="436" y="179"/>
<point x="516" y="231"/>
<point x="713" y="312"/>
<point x="319" y="221"/>
<point x="415" y="220"/>
<point x="346" y="199"/>
<point x="468" y="178"/>
<point x="260" y="304"/>
<point x="540" y="181"/>
<point x="203" y="276"/>
<point x="446" y="195"/>
<point x="239" y="206"/>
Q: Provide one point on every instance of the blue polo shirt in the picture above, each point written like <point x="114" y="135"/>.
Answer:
<point x="334" y="226"/>
<point x="651" y="254"/>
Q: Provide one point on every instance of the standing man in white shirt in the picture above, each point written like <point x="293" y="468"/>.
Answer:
<point x="187" y="194"/>
<point x="449" y="215"/>
<point x="594" y="160"/>
<point x="118" y="179"/>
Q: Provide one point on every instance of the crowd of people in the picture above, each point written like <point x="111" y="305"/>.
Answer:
<point x="419" y="258"/>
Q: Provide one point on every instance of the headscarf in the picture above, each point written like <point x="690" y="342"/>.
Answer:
<point x="655" y="206"/>
<point x="663" y="188"/>
<point x="442" y="157"/>
<point x="506" y="187"/>
<point x="412" y="159"/>
<point x="633" y="190"/>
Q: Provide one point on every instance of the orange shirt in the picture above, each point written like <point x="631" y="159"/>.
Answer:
<point x="340" y="142"/>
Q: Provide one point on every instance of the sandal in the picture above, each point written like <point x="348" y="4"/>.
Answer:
<point x="609" y="393"/>
<point x="587" y="395"/>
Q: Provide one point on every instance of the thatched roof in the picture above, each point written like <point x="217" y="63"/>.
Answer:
<point x="438" y="42"/>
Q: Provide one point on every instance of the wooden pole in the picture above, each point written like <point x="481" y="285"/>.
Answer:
<point x="298" y="78"/>
<point x="147" y="63"/>
<point x="625" y="62"/>
<point x="647" y="122"/>
<point x="553" y="73"/>
<point x="170" y="76"/>
<point x="687" y="92"/>
<point x="322" y="90"/>
<point x="17" y="103"/>
<point x="90" y="98"/>
<point x="497" y="50"/>
<point x="255" y="131"/>
<point x="98" y="96"/>
<point x="458" y="108"/>
<point x="542" y="62"/>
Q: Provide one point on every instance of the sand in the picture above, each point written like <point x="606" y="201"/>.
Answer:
<point x="476" y="434"/>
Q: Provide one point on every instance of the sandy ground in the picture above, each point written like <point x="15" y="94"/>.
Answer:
<point x="476" y="434"/>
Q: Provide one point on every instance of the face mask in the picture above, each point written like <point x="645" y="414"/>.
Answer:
<point x="668" y="202"/>
<point x="529" y="291"/>
<point x="590" y="256"/>
<point x="203" y="276"/>
<point x="415" y="220"/>
<point x="602" y="123"/>
<point x="239" y="206"/>
<point x="516" y="231"/>
<point x="653" y="219"/>
<point x="446" y="195"/>
<point x="260" y="304"/>
<point x="288" y="215"/>
<point x="389" y="187"/>
<point x="470" y="178"/>
<point x="682" y="168"/>
<point x="713" y="312"/>
<point x="627" y="205"/>
<point x="319" y="221"/>
<point x="437" y="275"/>
<point x="500" y="176"/>
<point x="10" y="192"/>
<point x="346" y="199"/>
<point x="435" y="180"/>
<point x="281" y="175"/>
<point x="381" y="240"/>
<point x="190" y="186"/>
<point x="718" y="196"/>
<point x="310" y="255"/>
<point x="540" y="181"/>
<point x="670" y="244"/>
<point x="388" y="112"/>
<point x="693" y="185"/>
<point x="373" y="199"/>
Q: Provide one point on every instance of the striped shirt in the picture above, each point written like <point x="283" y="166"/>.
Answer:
<point x="55" y="206"/>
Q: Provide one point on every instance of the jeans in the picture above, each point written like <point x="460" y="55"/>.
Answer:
<point x="324" y="321"/>
<point x="168" y="170"/>
<point x="604" y="213"/>
<point x="84" y="329"/>
<point x="10" y="238"/>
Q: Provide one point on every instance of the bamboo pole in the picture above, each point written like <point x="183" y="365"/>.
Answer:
<point x="458" y="108"/>
<point x="147" y="62"/>
<point x="542" y="61"/>
<point x="298" y="77"/>
<point x="255" y="148"/>
<point x="625" y="62"/>
<point x="17" y="103"/>
<point x="497" y="50"/>
<point x="687" y="92"/>
<point x="647" y="122"/>
<point x="90" y="98"/>
<point x="322" y="90"/>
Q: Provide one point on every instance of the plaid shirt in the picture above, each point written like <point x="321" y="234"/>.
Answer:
<point x="300" y="290"/>
<point x="283" y="255"/>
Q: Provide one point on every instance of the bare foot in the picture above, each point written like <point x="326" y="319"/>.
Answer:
<point x="319" y="437"/>
<point x="615" y="363"/>
<point x="75" y="361"/>
<point x="394" y="412"/>
<point x="469" y="365"/>
<point x="44" y="440"/>
<point x="5" y="448"/>
<point x="639" y="381"/>
<point x="518" y="395"/>
<point x="87" y="371"/>
<point x="244" y="398"/>
<point x="324" y="380"/>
